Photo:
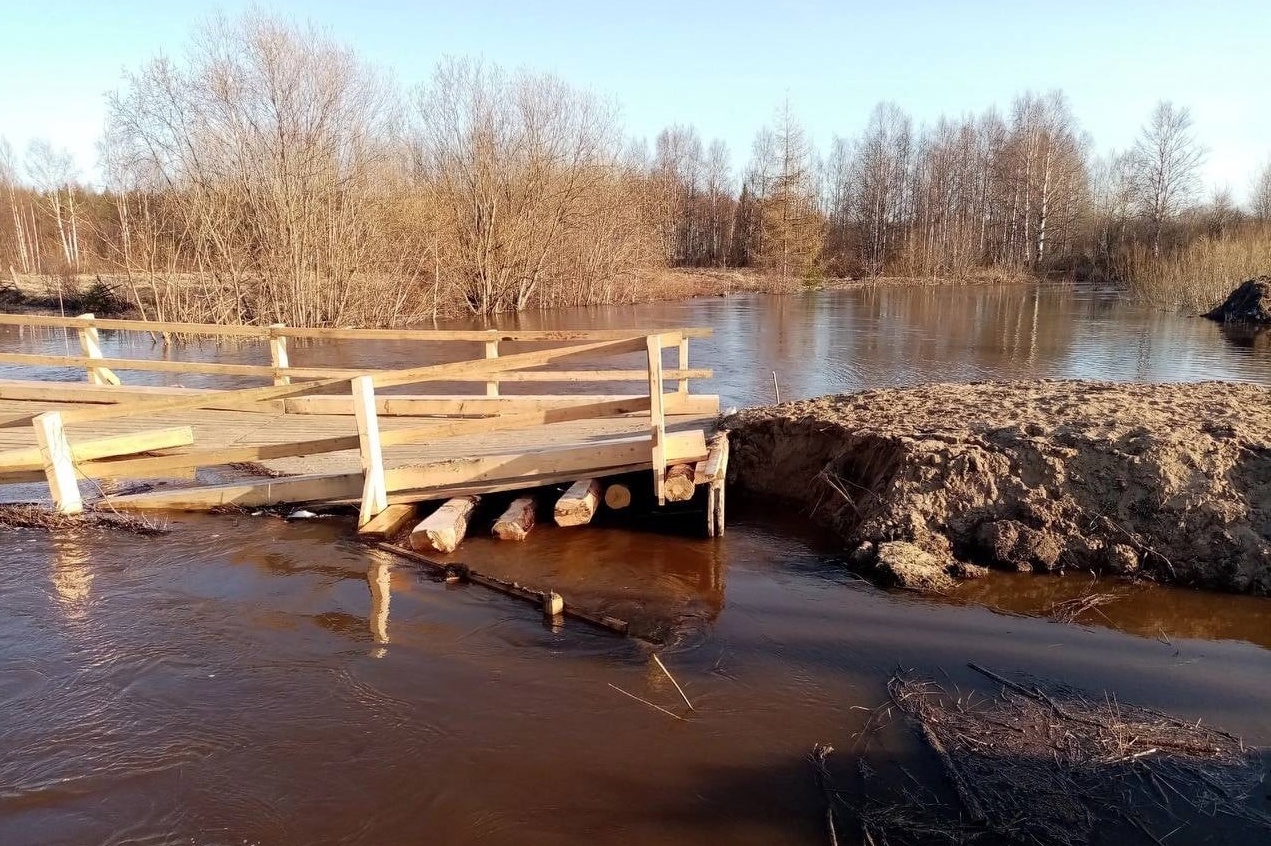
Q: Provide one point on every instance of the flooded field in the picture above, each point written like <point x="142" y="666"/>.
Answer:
<point x="246" y="680"/>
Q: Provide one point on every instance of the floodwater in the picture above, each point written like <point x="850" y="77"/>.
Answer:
<point x="250" y="681"/>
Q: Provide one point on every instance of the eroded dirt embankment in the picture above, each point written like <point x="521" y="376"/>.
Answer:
<point x="1169" y="482"/>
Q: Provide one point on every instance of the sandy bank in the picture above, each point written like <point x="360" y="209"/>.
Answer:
<point x="1168" y="482"/>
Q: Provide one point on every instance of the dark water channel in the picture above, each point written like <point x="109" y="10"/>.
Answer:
<point x="245" y="680"/>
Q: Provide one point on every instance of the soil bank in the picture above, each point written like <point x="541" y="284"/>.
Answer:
<point x="926" y="484"/>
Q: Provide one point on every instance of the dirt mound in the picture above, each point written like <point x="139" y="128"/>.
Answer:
<point x="1170" y="482"/>
<point x="1249" y="303"/>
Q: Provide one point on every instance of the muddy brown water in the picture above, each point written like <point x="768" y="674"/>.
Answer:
<point x="247" y="680"/>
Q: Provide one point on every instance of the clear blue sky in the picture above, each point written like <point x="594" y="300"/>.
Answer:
<point x="723" y="66"/>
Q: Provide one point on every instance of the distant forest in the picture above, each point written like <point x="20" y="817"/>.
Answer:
<point x="271" y="174"/>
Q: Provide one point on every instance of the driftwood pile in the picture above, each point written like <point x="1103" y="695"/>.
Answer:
<point x="1043" y="763"/>
<point x="31" y="516"/>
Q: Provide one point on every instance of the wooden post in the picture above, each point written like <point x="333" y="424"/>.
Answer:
<point x="90" y="344"/>
<point x="516" y="521"/>
<point x="59" y="465"/>
<point x="443" y="530"/>
<point x="657" y="415"/>
<point x="278" y="354"/>
<point x="578" y="505"/>
<point x="374" y="490"/>
<point x="492" y="351"/>
<point x="682" y="386"/>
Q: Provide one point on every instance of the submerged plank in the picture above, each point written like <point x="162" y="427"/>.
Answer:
<point x="389" y="522"/>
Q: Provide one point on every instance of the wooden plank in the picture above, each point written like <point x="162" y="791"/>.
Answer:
<point x="161" y="327"/>
<point x="247" y="397"/>
<point x="156" y="467"/>
<point x="374" y="494"/>
<point x="388" y="405"/>
<point x="578" y="505"/>
<point x="717" y="459"/>
<point x="388" y="522"/>
<point x="682" y="446"/>
<point x="456" y="477"/>
<point x="59" y="466"/>
<point x="444" y="529"/>
<point x="83" y="392"/>
<point x="255" y="493"/>
<point x="516" y="522"/>
<point x="156" y="365"/>
<point x="20" y="460"/>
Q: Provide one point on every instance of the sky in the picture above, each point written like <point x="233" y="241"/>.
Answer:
<point x="722" y="66"/>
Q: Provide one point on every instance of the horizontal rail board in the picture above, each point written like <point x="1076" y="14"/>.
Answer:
<point x="266" y="332"/>
<point x="150" y="468"/>
<point x="267" y="371"/>
<point x="515" y="469"/>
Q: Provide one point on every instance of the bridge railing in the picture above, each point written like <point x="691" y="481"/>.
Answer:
<point x="63" y="464"/>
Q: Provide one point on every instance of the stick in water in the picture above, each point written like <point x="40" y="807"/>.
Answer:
<point x="775" y="387"/>
<point x="674" y="682"/>
<point x="647" y="702"/>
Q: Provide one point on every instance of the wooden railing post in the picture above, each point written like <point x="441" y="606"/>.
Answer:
<point x="278" y="353"/>
<point x="682" y="386"/>
<point x="374" y="490"/>
<point x="59" y="464"/>
<point x="90" y="344"/>
<point x="657" y="417"/>
<point x="492" y="351"/>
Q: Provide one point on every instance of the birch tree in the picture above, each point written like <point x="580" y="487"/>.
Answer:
<point x="1166" y="162"/>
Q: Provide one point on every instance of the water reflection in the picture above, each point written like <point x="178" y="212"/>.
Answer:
<point x="377" y="578"/>
<point x="72" y="576"/>
<point x="817" y="342"/>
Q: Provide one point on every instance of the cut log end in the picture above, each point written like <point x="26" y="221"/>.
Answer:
<point x="679" y="486"/>
<point x="578" y="505"/>
<point x="517" y="521"/>
<point x="443" y="530"/>
<point x="617" y="496"/>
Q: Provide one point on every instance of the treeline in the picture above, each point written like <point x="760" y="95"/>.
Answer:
<point x="270" y="174"/>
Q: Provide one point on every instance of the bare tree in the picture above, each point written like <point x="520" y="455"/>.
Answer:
<point x="1166" y="162"/>
<point x="53" y="174"/>
<point x="1260" y="196"/>
<point x="516" y="167"/>
<point x="261" y="153"/>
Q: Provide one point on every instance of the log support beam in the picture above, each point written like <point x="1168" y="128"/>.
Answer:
<point x="517" y="521"/>
<point x="444" y="529"/>
<point x="617" y="496"/>
<point x="679" y="484"/>
<point x="578" y="505"/>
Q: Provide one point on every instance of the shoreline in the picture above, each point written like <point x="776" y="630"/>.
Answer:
<point x="932" y="485"/>
<point x="97" y="292"/>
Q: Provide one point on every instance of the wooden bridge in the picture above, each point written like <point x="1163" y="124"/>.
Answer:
<point x="349" y="436"/>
